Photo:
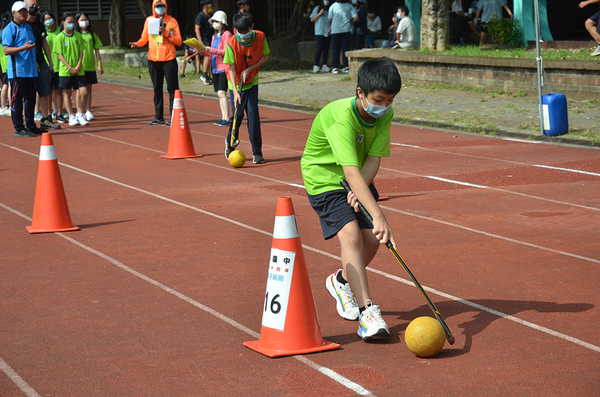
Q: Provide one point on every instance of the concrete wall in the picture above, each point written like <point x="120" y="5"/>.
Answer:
<point x="496" y="73"/>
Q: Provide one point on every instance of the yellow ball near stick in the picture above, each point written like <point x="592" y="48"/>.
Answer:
<point x="425" y="336"/>
<point x="237" y="159"/>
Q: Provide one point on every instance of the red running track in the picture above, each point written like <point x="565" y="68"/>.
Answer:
<point x="166" y="278"/>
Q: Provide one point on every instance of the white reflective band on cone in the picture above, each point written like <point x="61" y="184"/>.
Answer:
<point x="178" y="103"/>
<point x="47" y="153"/>
<point x="285" y="227"/>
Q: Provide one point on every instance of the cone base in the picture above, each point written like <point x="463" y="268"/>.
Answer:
<point x="31" y="230"/>
<point x="254" y="345"/>
<point x="166" y="156"/>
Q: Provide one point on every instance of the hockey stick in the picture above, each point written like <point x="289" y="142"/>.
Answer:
<point x="237" y="119"/>
<point x="390" y="246"/>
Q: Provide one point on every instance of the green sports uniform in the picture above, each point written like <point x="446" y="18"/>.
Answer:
<point x="3" y="59"/>
<point x="70" y="47"/>
<point x="340" y="137"/>
<point x="51" y="36"/>
<point x="88" y="64"/>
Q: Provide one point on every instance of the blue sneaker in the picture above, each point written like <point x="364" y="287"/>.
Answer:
<point x="222" y="123"/>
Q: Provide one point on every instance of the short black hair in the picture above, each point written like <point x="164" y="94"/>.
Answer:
<point x="66" y="15"/>
<point x="241" y="3"/>
<point x="243" y="22"/>
<point x="404" y="9"/>
<point x="379" y="74"/>
<point x="205" y="3"/>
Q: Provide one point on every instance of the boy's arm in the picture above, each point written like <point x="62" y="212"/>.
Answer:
<point x="236" y="95"/>
<point x="249" y="70"/>
<point x="508" y="10"/>
<point x="370" y="168"/>
<point x="587" y="3"/>
<point x="362" y="193"/>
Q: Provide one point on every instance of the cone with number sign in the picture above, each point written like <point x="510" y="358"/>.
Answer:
<point x="289" y="325"/>
<point x="180" y="138"/>
<point x="50" y="209"/>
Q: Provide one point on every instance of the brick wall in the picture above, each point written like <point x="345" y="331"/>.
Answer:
<point x="496" y="73"/>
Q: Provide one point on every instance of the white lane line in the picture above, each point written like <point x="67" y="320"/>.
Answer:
<point x="17" y="380"/>
<point x="355" y="387"/>
<point x="497" y="159"/>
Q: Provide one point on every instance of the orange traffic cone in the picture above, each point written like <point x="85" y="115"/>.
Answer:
<point x="289" y="324"/>
<point x="180" y="138"/>
<point x="50" y="209"/>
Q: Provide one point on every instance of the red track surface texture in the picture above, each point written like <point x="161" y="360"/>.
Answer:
<point x="156" y="293"/>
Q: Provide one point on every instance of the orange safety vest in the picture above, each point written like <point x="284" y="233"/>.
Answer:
<point x="246" y="56"/>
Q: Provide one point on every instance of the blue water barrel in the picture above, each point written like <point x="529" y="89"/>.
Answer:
<point x="556" y="118"/>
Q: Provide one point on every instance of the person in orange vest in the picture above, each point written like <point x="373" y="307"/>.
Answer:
<point x="246" y="51"/>
<point x="162" y="62"/>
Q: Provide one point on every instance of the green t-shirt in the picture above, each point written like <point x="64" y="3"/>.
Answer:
<point x="51" y="37"/>
<point x="229" y="59"/>
<point x="70" y="47"/>
<point x="88" y="64"/>
<point x="340" y="137"/>
<point x="3" y="59"/>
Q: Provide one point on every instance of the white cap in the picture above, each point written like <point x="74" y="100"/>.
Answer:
<point x="219" y="16"/>
<point x="18" y="6"/>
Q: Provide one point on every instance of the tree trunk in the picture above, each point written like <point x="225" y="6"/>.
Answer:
<point x="299" y="25"/>
<point x="435" y="24"/>
<point x="116" y="24"/>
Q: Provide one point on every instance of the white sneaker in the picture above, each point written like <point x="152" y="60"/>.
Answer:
<point x="37" y="116"/>
<point x="371" y="325"/>
<point x="345" y="300"/>
<point x="596" y="52"/>
<point x="315" y="69"/>
<point x="335" y="70"/>
<point x="81" y="119"/>
<point x="346" y="70"/>
<point x="73" y="120"/>
<point x="89" y="116"/>
<point x="325" y="68"/>
<point x="5" y="111"/>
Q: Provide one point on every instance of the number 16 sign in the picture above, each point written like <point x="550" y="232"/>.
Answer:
<point x="279" y="282"/>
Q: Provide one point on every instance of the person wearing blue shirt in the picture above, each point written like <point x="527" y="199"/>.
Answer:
<point x="18" y="41"/>
<point x="342" y="16"/>
<point x="318" y="16"/>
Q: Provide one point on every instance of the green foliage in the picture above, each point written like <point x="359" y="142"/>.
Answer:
<point x="505" y="31"/>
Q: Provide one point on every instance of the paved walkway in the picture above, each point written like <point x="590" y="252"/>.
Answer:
<point x="492" y="112"/>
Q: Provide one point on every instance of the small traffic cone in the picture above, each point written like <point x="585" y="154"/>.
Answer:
<point x="50" y="209"/>
<point x="180" y="138"/>
<point x="289" y="325"/>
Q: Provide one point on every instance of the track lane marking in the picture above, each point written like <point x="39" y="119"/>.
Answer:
<point x="17" y="380"/>
<point x="355" y="387"/>
<point x="237" y="223"/>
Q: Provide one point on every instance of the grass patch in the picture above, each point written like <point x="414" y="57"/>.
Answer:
<point x="578" y="54"/>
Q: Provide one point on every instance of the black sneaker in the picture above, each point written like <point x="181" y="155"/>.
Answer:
<point x="257" y="158"/>
<point x="24" y="133"/>
<point x="156" y="121"/>
<point x="48" y="124"/>
<point x="37" y="130"/>
<point x="60" y="119"/>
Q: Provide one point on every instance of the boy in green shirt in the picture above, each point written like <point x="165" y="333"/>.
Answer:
<point x="346" y="141"/>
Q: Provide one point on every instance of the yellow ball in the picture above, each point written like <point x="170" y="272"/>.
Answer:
<point x="237" y="158"/>
<point x="425" y="337"/>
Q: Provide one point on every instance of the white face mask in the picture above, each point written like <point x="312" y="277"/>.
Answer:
<point x="217" y="25"/>
<point x="375" y="111"/>
<point x="160" y="10"/>
<point x="84" y="24"/>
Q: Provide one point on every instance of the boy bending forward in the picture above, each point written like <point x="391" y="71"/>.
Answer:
<point x="347" y="140"/>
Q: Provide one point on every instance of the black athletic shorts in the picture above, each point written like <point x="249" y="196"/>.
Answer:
<point x="220" y="81"/>
<point x="335" y="212"/>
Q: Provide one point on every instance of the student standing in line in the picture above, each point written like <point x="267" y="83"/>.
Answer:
<point x="69" y="48"/>
<point x="318" y="16"/>
<point x="91" y="45"/>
